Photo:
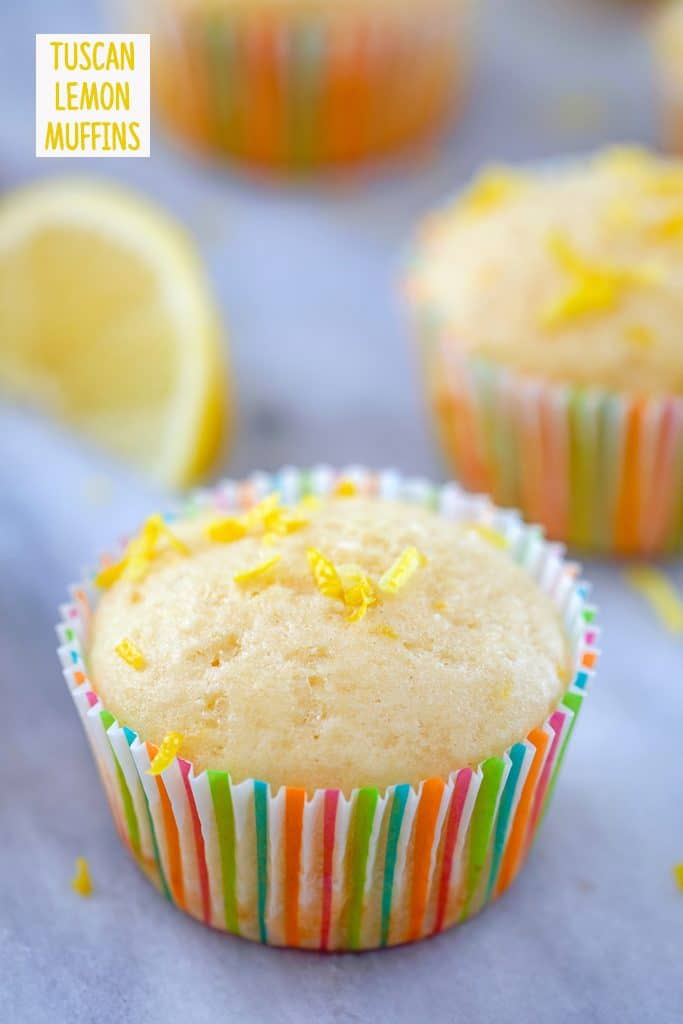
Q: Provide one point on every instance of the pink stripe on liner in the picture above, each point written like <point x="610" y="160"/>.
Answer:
<point x="460" y="790"/>
<point x="199" y="841"/>
<point x="662" y="502"/>
<point x="556" y="723"/>
<point x="329" y="827"/>
<point x="91" y="698"/>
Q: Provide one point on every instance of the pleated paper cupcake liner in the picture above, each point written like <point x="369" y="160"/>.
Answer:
<point x="296" y="87"/>
<point x="598" y="470"/>
<point x="326" y="870"/>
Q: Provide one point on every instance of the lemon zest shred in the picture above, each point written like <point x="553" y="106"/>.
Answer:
<point x="490" y="191"/>
<point x="398" y="574"/>
<point x="109" y="574"/>
<point x="258" y="514"/>
<point x="226" y="530"/>
<point x="385" y="630"/>
<point x="596" y="288"/>
<point x="166" y="754"/>
<point x="254" y="571"/>
<point x="491" y="536"/>
<point x="81" y="882"/>
<point x="131" y="654"/>
<point x="325" y="574"/>
<point x="346" y="489"/>
<point x="660" y="593"/>
<point x="358" y="591"/>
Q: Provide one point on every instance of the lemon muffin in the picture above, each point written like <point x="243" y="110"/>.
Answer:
<point x="551" y="306"/>
<point x="344" y="714"/>
<point x="299" y="84"/>
<point x="668" y="51"/>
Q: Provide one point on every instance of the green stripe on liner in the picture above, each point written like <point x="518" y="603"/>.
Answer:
<point x="398" y="807"/>
<point x="363" y="817"/>
<point x="261" y="820"/>
<point x="128" y="807"/>
<point x="573" y="701"/>
<point x="221" y="797"/>
<point x="517" y="754"/>
<point x="483" y="818"/>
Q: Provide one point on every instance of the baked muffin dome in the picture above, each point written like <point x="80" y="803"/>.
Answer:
<point x="267" y="676"/>
<point x="573" y="275"/>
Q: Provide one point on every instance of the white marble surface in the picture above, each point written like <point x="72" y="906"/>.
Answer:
<point x="592" y="931"/>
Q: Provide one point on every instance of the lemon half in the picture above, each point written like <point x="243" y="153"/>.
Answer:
<point x="106" y="322"/>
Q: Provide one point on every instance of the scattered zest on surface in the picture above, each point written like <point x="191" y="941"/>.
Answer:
<point x="661" y="595"/>
<point x="405" y="566"/>
<point x="260" y="569"/>
<point x="165" y="755"/>
<point x="678" y="875"/>
<point x="324" y="573"/>
<point x="595" y="289"/>
<point x="267" y="516"/>
<point x="130" y="654"/>
<point x="81" y="882"/>
<point x="141" y="551"/>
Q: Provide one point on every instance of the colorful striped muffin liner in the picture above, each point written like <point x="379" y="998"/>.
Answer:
<point x="325" y="870"/>
<point x="297" y="86"/>
<point x="600" y="471"/>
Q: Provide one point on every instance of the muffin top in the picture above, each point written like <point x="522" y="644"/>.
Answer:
<point x="343" y="643"/>
<point x="572" y="275"/>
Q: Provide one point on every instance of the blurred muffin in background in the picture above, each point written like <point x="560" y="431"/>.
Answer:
<point x="668" y="47"/>
<point x="550" y="311"/>
<point x="294" y="85"/>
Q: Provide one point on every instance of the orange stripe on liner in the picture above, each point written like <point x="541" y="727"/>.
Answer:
<point x="425" y="826"/>
<point x="294" y="816"/>
<point x="175" y="862"/>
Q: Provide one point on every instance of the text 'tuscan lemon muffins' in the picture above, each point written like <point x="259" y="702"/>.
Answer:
<point x="549" y="309"/>
<point x="667" y="38"/>
<point x="329" y="712"/>
<point x="295" y="85"/>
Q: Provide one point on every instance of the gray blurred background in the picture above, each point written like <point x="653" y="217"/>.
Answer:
<point x="307" y="279"/>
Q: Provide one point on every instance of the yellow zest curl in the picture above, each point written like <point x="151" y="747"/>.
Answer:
<point x="346" y="489"/>
<point x="358" y="592"/>
<point x="324" y="573"/>
<point x="490" y="535"/>
<point x="131" y="654"/>
<point x="405" y="566"/>
<point x="227" y="530"/>
<point x="81" y="882"/>
<point x="166" y="754"/>
<point x="596" y="288"/>
<point x="493" y="188"/>
<point x="260" y="569"/>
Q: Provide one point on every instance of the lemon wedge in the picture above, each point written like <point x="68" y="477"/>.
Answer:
<point x="106" y="322"/>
